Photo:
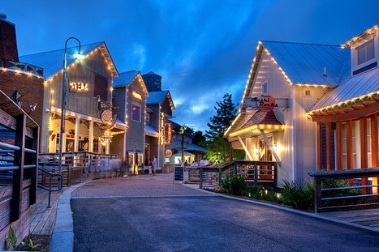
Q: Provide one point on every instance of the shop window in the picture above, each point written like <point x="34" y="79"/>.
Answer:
<point x="136" y="112"/>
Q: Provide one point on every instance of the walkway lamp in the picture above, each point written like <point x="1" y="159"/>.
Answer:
<point x="64" y="95"/>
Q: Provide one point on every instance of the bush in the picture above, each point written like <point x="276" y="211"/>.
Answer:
<point x="262" y="193"/>
<point x="234" y="184"/>
<point x="299" y="195"/>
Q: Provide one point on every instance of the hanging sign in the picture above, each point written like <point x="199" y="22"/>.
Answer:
<point x="266" y="102"/>
<point x="106" y="116"/>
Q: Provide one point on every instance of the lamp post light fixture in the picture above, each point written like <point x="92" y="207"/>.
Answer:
<point x="63" y="97"/>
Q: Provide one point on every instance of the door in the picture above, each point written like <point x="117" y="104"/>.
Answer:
<point x="265" y="154"/>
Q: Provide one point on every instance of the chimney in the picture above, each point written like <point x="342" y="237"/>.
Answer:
<point x="8" y="43"/>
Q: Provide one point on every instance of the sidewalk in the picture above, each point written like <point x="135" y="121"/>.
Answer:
<point x="57" y="220"/>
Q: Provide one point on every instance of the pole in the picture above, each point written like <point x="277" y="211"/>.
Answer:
<point x="63" y="102"/>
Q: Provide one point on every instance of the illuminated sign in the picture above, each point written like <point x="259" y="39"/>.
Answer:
<point x="137" y="95"/>
<point x="78" y="87"/>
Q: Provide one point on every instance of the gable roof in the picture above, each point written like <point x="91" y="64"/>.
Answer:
<point x="52" y="61"/>
<point x="125" y="78"/>
<point x="157" y="97"/>
<point x="311" y="63"/>
<point x="300" y="63"/>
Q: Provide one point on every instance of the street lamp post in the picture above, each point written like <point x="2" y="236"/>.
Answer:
<point x="63" y="100"/>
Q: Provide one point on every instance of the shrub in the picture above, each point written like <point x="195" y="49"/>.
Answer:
<point x="234" y="184"/>
<point x="298" y="195"/>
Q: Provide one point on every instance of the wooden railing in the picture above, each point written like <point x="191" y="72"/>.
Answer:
<point x="256" y="173"/>
<point x="345" y="189"/>
<point x="18" y="160"/>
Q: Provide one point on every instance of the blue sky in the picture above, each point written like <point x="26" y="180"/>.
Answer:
<point x="201" y="48"/>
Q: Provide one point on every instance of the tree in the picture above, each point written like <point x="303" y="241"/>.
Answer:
<point x="225" y="114"/>
<point x="218" y="147"/>
<point x="198" y="138"/>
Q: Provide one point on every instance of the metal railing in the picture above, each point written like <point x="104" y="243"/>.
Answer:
<point x="346" y="189"/>
<point x="79" y="166"/>
<point x="51" y="174"/>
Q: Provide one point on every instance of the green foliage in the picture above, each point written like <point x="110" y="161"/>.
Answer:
<point x="30" y="244"/>
<point x="218" y="150"/>
<point x="299" y="195"/>
<point x="225" y="114"/>
<point x="199" y="139"/>
<point x="339" y="188"/>
<point x="12" y="238"/>
<point x="262" y="193"/>
<point x="234" y="185"/>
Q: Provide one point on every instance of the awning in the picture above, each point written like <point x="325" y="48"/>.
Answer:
<point x="271" y="120"/>
<point x="150" y="131"/>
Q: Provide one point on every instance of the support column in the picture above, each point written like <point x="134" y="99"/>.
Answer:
<point x="328" y="146"/>
<point x="339" y="145"/>
<point x="374" y="148"/>
<point x="363" y="151"/>
<point x="349" y="146"/>
<point x="77" y="129"/>
<point x="90" y="137"/>
<point x="319" y="148"/>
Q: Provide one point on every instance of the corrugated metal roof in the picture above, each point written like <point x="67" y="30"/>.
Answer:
<point x="156" y="97"/>
<point x="52" y="61"/>
<point x="125" y="78"/>
<point x="358" y="85"/>
<point x="306" y="63"/>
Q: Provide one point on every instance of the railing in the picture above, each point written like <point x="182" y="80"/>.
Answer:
<point x="256" y="173"/>
<point x="58" y="181"/>
<point x="346" y="189"/>
<point x="79" y="166"/>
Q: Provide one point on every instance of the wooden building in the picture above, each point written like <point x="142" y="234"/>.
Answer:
<point x="347" y="116"/>
<point x="89" y="117"/>
<point x="284" y="83"/>
<point x="129" y="100"/>
<point x="158" y="129"/>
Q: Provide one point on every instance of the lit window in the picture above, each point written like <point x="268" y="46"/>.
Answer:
<point x="136" y="112"/>
<point x="365" y="52"/>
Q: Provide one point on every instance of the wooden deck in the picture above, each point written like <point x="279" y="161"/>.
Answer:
<point x="43" y="218"/>
<point x="368" y="218"/>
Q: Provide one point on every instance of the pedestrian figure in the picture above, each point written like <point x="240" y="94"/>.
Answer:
<point x="155" y="165"/>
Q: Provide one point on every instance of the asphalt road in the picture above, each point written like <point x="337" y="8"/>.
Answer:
<point x="205" y="223"/>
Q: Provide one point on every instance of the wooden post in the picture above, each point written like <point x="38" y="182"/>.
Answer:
<point x="328" y="146"/>
<point x="339" y="145"/>
<point x="319" y="147"/>
<point x="349" y="144"/>
<point x="18" y="175"/>
<point x="364" y="163"/>
<point x="374" y="149"/>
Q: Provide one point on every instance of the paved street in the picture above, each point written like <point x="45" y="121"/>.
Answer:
<point x="151" y="213"/>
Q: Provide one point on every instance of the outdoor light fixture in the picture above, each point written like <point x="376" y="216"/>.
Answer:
<point x="64" y="94"/>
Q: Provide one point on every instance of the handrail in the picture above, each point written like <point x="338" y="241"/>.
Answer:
<point x="49" y="189"/>
<point x="361" y="173"/>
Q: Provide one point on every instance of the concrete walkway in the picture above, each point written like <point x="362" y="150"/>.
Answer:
<point x="57" y="220"/>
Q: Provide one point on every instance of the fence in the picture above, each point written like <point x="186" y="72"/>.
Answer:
<point x="256" y="173"/>
<point x="18" y="167"/>
<point x="346" y="189"/>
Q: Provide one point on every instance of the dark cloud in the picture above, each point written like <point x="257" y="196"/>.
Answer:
<point x="202" y="48"/>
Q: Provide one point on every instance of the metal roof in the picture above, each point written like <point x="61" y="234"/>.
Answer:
<point x="150" y="131"/>
<point x="157" y="97"/>
<point x="125" y="78"/>
<point x="52" y="61"/>
<point x="357" y="86"/>
<point x="311" y="63"/>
